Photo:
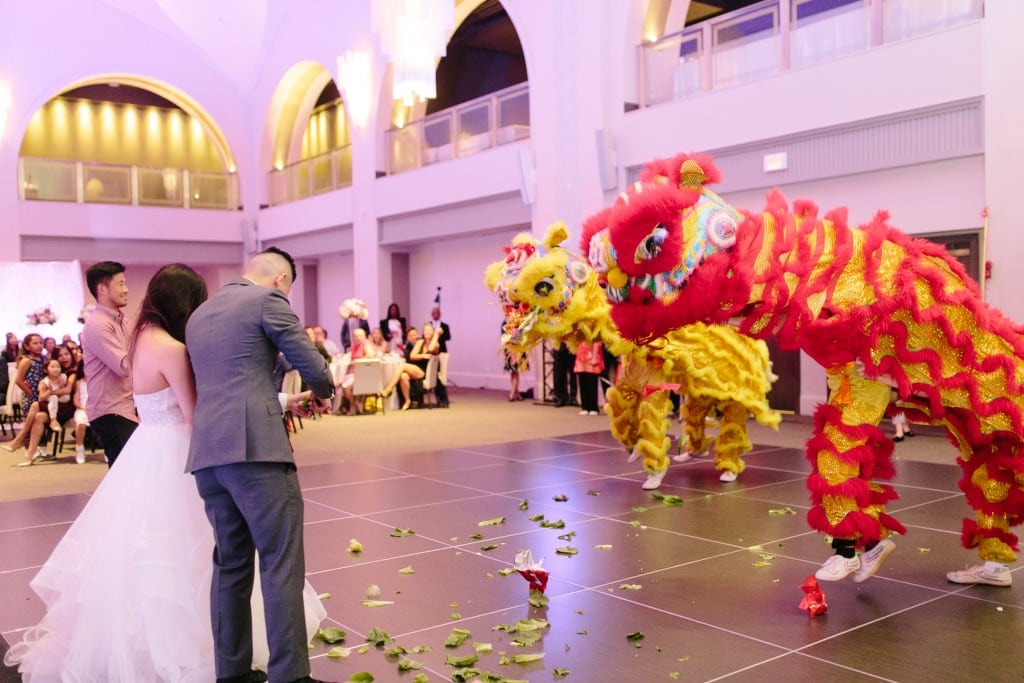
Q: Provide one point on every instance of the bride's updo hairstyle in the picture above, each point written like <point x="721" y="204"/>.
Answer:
<point x="173" y="294"/>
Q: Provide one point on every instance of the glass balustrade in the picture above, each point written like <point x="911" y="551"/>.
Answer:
<point x="485" y="122"/>
<point x="322" y="173"/>
<point x="94" y="183"/>
<point x="776" y="35"/>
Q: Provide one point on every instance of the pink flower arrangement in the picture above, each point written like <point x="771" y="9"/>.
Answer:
<point x="42" y="316"/>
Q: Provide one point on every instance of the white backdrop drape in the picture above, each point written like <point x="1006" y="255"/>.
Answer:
<point x="27" y="286"/>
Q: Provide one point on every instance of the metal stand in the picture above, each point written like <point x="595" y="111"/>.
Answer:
<point x="547" y="376"/>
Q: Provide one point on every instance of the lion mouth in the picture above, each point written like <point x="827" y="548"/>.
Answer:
<point x="518" y="326"/>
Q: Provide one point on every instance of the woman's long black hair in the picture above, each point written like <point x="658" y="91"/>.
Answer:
<point x="172" y="295"/>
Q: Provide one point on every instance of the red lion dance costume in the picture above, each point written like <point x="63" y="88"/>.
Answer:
<point x="878" y="309"/>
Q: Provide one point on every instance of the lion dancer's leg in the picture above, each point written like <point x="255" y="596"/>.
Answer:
<point x="621" y="407"/>
<point x="732" y="443"/>
<point x="994" y="483"/>
<point x="653" y="442"/>
<point x="695" y="415"/>
<point x="848" y="453"/>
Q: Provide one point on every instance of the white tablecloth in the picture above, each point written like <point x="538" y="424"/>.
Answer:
<point x="388" y="365"/>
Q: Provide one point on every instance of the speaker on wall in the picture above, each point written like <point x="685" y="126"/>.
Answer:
<point x="607" y="162"/>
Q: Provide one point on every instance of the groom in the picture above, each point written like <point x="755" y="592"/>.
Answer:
<point x="242" y="462"/>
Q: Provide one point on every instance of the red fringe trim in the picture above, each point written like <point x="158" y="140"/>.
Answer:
<point x="972" y="535"/>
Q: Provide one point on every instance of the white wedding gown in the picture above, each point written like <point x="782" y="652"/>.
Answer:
<point x="127" y="590"/>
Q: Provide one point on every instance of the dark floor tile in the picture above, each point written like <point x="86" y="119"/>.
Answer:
<point x="387" y="494"/>
<point x="533" y="450"/>
<point x="430" y="461"/>
<point x="794" y="493"/>
<point x="511" y="475"/>
<point x="762" y="602"/>
<point x="21" y="606"/>
<point x="29" y="547"/>
<point x="607" y="461"/>
<point x="318" y="512"/>
<point x="946" y="514"/>
<point x="327" y="543"/>
<point x="598" y="438"/>
<point x="731" y="519"/>
<point x="457" y="521"/>
<point x="797" y="667"/>
<point x="32" y="512"/>
<point x="348" y="471"/>
<point x="634" y="551"/>
<point x="950" y="639"/>
<point x="599" y="496"/>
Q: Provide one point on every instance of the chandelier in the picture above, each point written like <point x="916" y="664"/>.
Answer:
<point x="413" y="34"/>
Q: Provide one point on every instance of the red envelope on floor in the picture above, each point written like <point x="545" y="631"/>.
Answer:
<point x="814" y="598"/>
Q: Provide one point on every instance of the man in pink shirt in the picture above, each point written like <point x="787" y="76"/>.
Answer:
<point x="110" y="405"/>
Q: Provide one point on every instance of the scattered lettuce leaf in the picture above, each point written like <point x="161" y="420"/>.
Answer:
<point x="666" y="499"/>
<point x="527" y="658"/>
<point x="593" y="492"/>
<point x="324" y="596"/>
<point x="457" y="637"/>
<point x="377" y="603"/>
<point x="420" y="678"/>
<point x="566" y="550"/>
<point x="483" y="648"/>
<point x="635" y="636"/>
<point x="560" y="498"/>
<point x="492" y="522"/>
<point x="604" y="546"/>
<point x="560" y="673"/>
<point x="461" y="660"/>
<point x="489" y="546"/>
<point x="373" y="591"/>
<point x="506" y="571"/>
<point x="538" y="599"/>
<point x="778" y="512"/>
<point x="477" y="536"/>
<point x="361" y="677"/>
<point x="401" y="533"/>
<point x="409" y="665"/>
<point x="557" y="524"/>
<point x="379" y="637"/>
<point x="455" y="616"/>
<point x="525" y="505"/>
<point x="339" y="652"/>
<point x="630" y="587"/>
<point x="355" y="546"/>
<point x="331" y="635"/>
<point x="536" y="518"/>
<point x="567" y="537"/>
<point x="407" y="569"/>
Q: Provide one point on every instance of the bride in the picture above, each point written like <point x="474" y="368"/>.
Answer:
<point x="127" y="590"/>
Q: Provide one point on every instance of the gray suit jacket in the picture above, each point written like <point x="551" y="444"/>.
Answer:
<point x="233" y="340"/>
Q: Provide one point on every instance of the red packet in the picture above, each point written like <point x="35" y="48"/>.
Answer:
<point x="530" y="570"/>
<point x="814" y="599"/>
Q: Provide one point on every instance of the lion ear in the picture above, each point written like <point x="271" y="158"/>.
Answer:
<point x="492" y="276"/>
<point x="557" y="233"/>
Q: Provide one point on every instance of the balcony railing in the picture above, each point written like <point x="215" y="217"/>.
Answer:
<point x="483" y="123"/>
<point x="322" y="173"/>
<point x="60" y="180"/>
<point x="777" y="35"/>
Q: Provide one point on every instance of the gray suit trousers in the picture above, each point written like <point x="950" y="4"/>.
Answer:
<point x="256" y="506"/>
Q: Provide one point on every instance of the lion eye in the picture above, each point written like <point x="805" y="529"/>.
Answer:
<point x="650" y="246"/>
<point x="544" y="287"/>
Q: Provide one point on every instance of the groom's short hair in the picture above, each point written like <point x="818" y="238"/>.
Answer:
<point x="283" y="254"/>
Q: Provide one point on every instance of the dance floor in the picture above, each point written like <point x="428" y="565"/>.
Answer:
<point x="699" y="591"/>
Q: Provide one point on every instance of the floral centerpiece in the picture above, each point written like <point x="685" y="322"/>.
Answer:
<point x="42" y="316"/>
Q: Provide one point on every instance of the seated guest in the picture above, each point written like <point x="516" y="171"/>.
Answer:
<point x="361" y="348"/>
<point x="55" y="385"/>
<point x="80" y="394"/>
<point x="320" y="337"/>
<point x="378" y="342"/>
<point x="8" y="355"/>
<point x="393" y="328"/>
<point x="49" y="344"/>
<point x="414" y="367"/>
<point x="311" y="333"/>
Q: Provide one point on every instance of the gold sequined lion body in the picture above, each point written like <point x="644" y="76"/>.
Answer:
<point x="548" y="293"/>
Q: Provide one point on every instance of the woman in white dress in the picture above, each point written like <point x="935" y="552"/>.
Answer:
<point x="127" y="590"/>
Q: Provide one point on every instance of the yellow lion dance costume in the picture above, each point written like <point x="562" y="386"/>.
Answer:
<point x="878" y="309"/>
<point x="549" y="293"/>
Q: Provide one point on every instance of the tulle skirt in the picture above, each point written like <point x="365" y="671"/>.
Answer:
<point x="127" y="590"/>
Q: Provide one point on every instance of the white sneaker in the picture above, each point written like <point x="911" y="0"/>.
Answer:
<point x="653" y="481"/>
<point x="837" y="568"/>
<point x="593" y="412"/>
<point x="990" y="573"/>
<point x="584" y="412"/>
<point x="871" y="560"/>
<point x="80" y="455"/>
<point x="727" y="476"/>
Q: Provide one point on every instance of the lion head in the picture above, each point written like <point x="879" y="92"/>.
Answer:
<point x="651" y="248"/>
<point x="544" y="290"/>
